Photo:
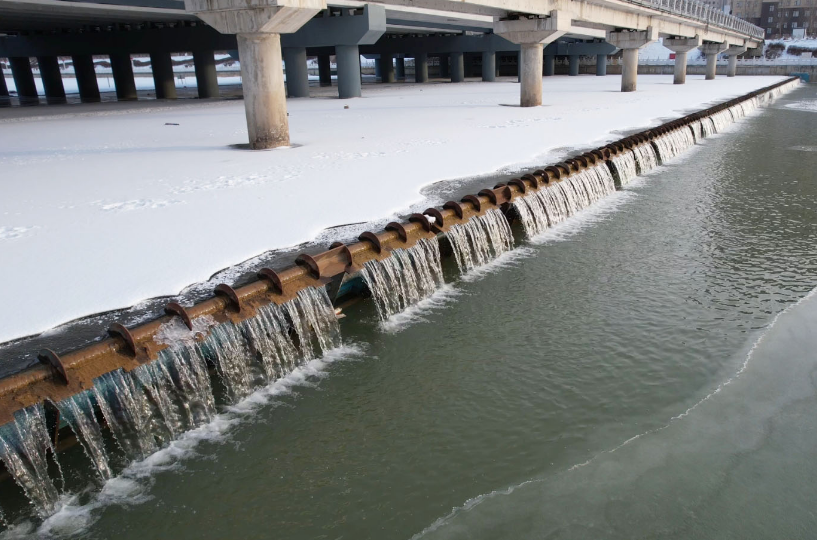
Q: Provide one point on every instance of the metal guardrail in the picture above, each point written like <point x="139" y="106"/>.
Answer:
<point x="701" y="12"/>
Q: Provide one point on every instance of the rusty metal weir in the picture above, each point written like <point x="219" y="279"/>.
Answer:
<point x="62" y="375"/>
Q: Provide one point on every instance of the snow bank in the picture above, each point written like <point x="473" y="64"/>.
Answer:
<point x="101" y="211"/>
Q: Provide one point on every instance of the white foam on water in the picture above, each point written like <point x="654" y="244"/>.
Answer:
<point x="417" y="312"/>
<point x="132" y="485"/>
<point x="805" y="105"/>
<point x="475" y="501"/>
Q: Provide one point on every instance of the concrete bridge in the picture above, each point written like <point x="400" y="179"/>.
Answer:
<point x="265" y="31"/>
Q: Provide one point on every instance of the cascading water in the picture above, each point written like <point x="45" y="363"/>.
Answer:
<point x="721" y="119"/>
<point x="673" y="143"/>
<point x="697" y="130"/>
<point x="314" y="320"/>
<point x="645" y="158"/>
<point x="545" y="208"/>
<point x="78" y="411"/>
<point x="24" y="447"/>
<point x="128" y="413"/>
<point x="480" y="240"/>
<point x="405" y="278"/>
<point x="625" y="167"/>
<point x="268" y="332"/>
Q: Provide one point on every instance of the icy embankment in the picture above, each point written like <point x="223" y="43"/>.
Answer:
<point x="99" y="212"/>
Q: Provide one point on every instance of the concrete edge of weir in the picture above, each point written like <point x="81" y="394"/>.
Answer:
<point x="61" y="376"/>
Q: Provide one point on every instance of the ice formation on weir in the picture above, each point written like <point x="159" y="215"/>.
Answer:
<point x="405" y="278"/>
<point x="549" y="206"/>
<point x="155" y="403"/>
<point x="480" y="240"/>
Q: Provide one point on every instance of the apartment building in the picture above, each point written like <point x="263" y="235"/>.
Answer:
<point x="784" y="18"/>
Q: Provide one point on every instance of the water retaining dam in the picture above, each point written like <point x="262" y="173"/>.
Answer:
<point x="151" y="383"/>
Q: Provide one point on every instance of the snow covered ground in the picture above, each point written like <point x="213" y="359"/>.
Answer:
<point x="103" y="206"/>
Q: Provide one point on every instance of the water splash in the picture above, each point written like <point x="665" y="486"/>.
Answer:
<point x="480" y="240"/>
<point x="24" y="447"/>
<point x="78" y="411"/>
<point x="547" y="207"/>
<point x="406" y="278"/>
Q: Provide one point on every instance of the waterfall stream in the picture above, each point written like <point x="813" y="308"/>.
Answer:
<point x="405" y="278"/>
<point x="480" y="240"/>
<point x="545" y="208"/>
<point x="625" y="167"/>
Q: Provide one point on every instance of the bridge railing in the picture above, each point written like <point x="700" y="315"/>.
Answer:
<point x="701" y="12"/>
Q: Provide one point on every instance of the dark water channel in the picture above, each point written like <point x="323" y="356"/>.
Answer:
<point x="607" y="382"/>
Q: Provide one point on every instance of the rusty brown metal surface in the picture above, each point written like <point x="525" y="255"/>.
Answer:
<point x="61" y="376"/>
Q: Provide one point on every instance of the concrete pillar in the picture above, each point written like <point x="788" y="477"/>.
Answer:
<point x="378" y="75"/>
<point x="400" y="68"/>
<point x="122" y="70"/>
<point x="550" y="65"/>
<point x="530" y="74"/>
<point x="348" y="59"/>
<point x="601" y="65"/>
<point x="457" y="67"/>
<point x="297" y="76"/>
<point x="386" y="68"/>
<point x="162" y="67"/>
<point x="629" y="70"/>
<point x="5" y="101"/>
<point x="489" y="66"/>
<point x="52" y="79"/>
<point x="421" y="67"/>
<point x="24" y="80"/>
<point x="712" y="50"/>
<point x="629" y="42"/>
<point x="262" y="78"/>
<point x="86" y="78"/>
<point x="681" y="46"/>
<point x="733" y="52"/>
<point x="325" y="70"/>
<point x="680" y="72"/>
<point x="531" y="35"/>
<point x="444" y="71"/>
<point x="732" y="68"/>
<point x="573" y="60"/>
<point x="206" y="76"/>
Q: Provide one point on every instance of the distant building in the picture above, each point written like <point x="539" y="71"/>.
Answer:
<point x="785" y="18"/>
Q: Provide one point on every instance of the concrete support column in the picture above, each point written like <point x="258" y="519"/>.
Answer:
<point x="444" y="71"/>
<point x="629" y="43"/>
<point x="162" y="67"/>
<point x="573" y="60"/>
<point x="550" y="65"/>
<point x="530" y="74"/>
<point x="297" y="76"/>
<point x="601" y="65"/>
<point x="122" y="70"/>
<point x="457" y="67"/>
<point x="681" y="46"/>
<point x="24" y="80"/>
<point x="489" y="66"/>
<point x="348" y="59"/>
<point x="86" y="78"/>
<point x="712" y="50"/>
<point x="5" y="101"/>
<point x="629" y="70"/>
<point x="733" y="52"/>
<point x="325" y="70"/>
<point x="378" y="76"/>
<point x="206" y="76"/>
<point x="421" y="67"/>
<point x="732" y="68"/>
<point x="386" y="68"/>
<point x="531" y="35"/>
<point x="400" y="68"/>
<point x="52" y="79"/>
<point x="262" y="78"/>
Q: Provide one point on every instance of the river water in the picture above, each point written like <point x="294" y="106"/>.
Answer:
<point x="644" y="370"/>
